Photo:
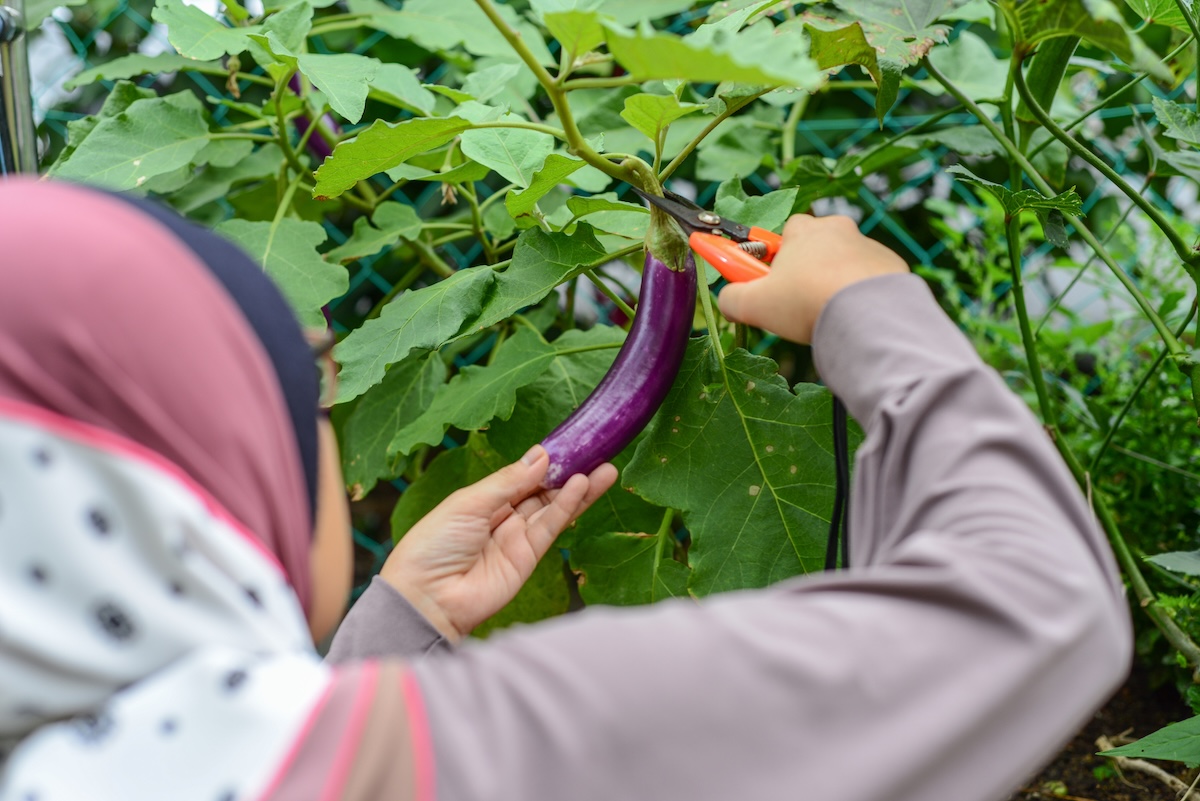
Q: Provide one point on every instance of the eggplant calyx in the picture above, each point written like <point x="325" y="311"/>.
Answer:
<point x="666" y="241"/>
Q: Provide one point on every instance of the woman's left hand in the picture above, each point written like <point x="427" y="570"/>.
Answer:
<point x="462" y="562"/>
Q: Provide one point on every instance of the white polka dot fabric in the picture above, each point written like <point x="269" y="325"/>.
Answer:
<point x="149" y="648"/>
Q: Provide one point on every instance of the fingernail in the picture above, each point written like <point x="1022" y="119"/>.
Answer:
<point x="533" y="454"/>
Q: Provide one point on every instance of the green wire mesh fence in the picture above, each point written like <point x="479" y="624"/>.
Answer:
<point x="81" y="37"/>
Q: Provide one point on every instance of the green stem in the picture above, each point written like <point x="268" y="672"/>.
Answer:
<point x="732" y="107"/>
<point x="404" y="283"/>
<point x="1191" y="23"/>
<point x="1186" y="253"/>
<point x="1014" y="153"/>
<point x="599" y="83"/>
<point x="431" y="259"/>
<point x="665" y="536"/>
<point x="608" y="293"/>
<point x="587" y="348"/>
<point x="568" y="321"/>
<point x="795" y="113"/>
<point x="286" y="202"/>
<point x="386" y="193"/>
<point x="528" y="126"/>
<point x="710" y="320"/>
<point x="477" y="223"/>
<point x="1129" y="87"/>
<point x="576" y="144"/>
<point x="1054" y="304"/>
<point x="455" y="237"/>
<point x="284" y="133"/>
<point x="246" y="136"/>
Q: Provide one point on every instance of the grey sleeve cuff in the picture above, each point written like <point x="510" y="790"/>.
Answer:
<point x="384" y="624"/>
<point x="876" y="337"/>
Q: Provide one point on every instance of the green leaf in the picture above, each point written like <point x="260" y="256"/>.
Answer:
<point x="405" y="392"/>
<point x="606" y="213"/>
<point x="514" y="153"/>
<point x="398" y="85"/>
<point x="965" y="140"/>
<point x="1179" y="742"/>
<point x="756" y="55"/>
<point x="465" y="173"/>
<point x="1180" y="122"/>
<point x="1098" y="21"/>
<point x="1049" y="209"/>
<point x="380" y="148"/>
<point x="625" y="568"/>
<point x="837" y="47"/>
<point x="552" y="172"/>
<point x="479" y="394"/>
<point x="650" y="114"/>
<point x="901" y="31"/>
<point x="123" y="95"/>
<point x="581" y="206"/>
<point x="1162" y="12"/>
<point x="1169" y="162"/>
<point x="151" y="137"/>
<point x="420" y="319"/>
<point x="451" y="470"/>
<point x="748" y="462"/>
<point x="971" y="64"/>
<point x="344" y="78"/>
<point x="291" y="26"/>
<point x="486" y="83"/>
<point x="1186" y="562"/>
<point x="769" y="211"/>
<point x="576" y="31"/>
<point x="540" y="262"/>
<point x="215" y="182"/>
<point x="197" y="35"/>
<point x="137" y="64"/>
<point x="737" y="147"/>
<point x="393" y="221"/>
<point x="287" y="250"/>
<point x="444" y="24"/>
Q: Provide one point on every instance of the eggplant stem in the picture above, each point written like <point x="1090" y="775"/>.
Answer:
<point x="710" y="320"/>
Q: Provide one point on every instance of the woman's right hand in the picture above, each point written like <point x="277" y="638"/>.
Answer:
<point x="819" y="257"/>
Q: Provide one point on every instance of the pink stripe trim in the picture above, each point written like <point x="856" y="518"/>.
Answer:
<point x="289" y="758"/>
<point x="343" y="760"/>
<point x="426" y="775"/>
<point x="104" y="440"/>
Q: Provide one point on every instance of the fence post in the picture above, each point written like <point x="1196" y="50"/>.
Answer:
<point x="18" y="139"/>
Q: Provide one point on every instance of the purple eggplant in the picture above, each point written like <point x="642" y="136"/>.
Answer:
<point x="317" y="146"/>
<point x="638" y="381"/>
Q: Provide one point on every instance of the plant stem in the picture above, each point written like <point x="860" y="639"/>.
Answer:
<point x="599" y="83"/>
<point x="529" y="126"/>
<point x="430" y="258"/>
<point x="477" y="223"/>
<point x="576" y="144"/>
<point x="1054" y="304"/>
<point x="404" y="283"/>
<point x="795" y="113"/>
<point x="730" y="109"/>
<point x="1177" y="352"/>
<point x="1129" y="87"/>
<point x="710" y="319"/>
<point x="1125" y="407"/>
<point x="283" y="134"/>
<point x="246" y="136"/>
<point x="386" y="193"/>
<point x="608" y="293"/>
<point x="664" y="536"/>
<point x="1186" y="253"/>
<point x="587" y="348"/>
<point x="1191" y="23"/>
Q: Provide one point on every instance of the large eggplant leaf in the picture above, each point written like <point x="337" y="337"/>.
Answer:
<point x="398" y="85"/>
<point x="480" y="394"/>
<point x="150" y="137"/>
<point x="343" y="77"/>
<point x="382" y="147"/>
<point x="1097" y="21"/>
<point x="748" y="462"/>
<point x="553" y="171"/>
<point x="287" y="250"/>
<point x="390" y="222"/>
<point x="405" y="392"/>
<point x="514" y="153"/>
<point x="758" y="55"/>
<point x="1179" y="742"/>
<point x="138" y="64"/>
<point x="197" y="35"/>
<point x="628" y="566"/>
<point x="1187" y="562"/>
<point x="1162" y="12"/>
<point x="838" y="46"/>
<point x="468" y="301"/>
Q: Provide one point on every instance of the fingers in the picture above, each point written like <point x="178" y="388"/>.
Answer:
<point x="572" y="500"/>
<point x="512" y="484"/>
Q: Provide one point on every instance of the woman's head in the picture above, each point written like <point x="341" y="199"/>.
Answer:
<point x="174" y="400"/>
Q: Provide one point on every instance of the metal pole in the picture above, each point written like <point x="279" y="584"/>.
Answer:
<point x="18" y="138"/>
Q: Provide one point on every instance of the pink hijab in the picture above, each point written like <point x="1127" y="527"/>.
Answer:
<point x="85" y="333"/>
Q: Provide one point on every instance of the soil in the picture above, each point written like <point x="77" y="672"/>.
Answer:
<point x="1077" y="774"/>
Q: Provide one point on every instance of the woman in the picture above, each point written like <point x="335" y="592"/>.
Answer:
<point x="155" y="573"/>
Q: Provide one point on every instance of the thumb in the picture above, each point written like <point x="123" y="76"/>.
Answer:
<point x="737" y="302"/>
<point x="515" y="482"/>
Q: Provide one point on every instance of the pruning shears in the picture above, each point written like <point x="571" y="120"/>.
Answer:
<point x="738" y="252"/>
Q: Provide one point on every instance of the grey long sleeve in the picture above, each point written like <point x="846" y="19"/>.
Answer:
<point x="382" y="623"/>
<point x="982" y="623"/>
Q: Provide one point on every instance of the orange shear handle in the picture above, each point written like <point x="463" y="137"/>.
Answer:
<point x="730" y="260"/>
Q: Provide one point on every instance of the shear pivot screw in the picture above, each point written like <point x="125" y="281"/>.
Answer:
<point x="708" y="218"/>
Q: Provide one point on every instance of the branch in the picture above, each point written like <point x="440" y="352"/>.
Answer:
<point x="730" y="109"/>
